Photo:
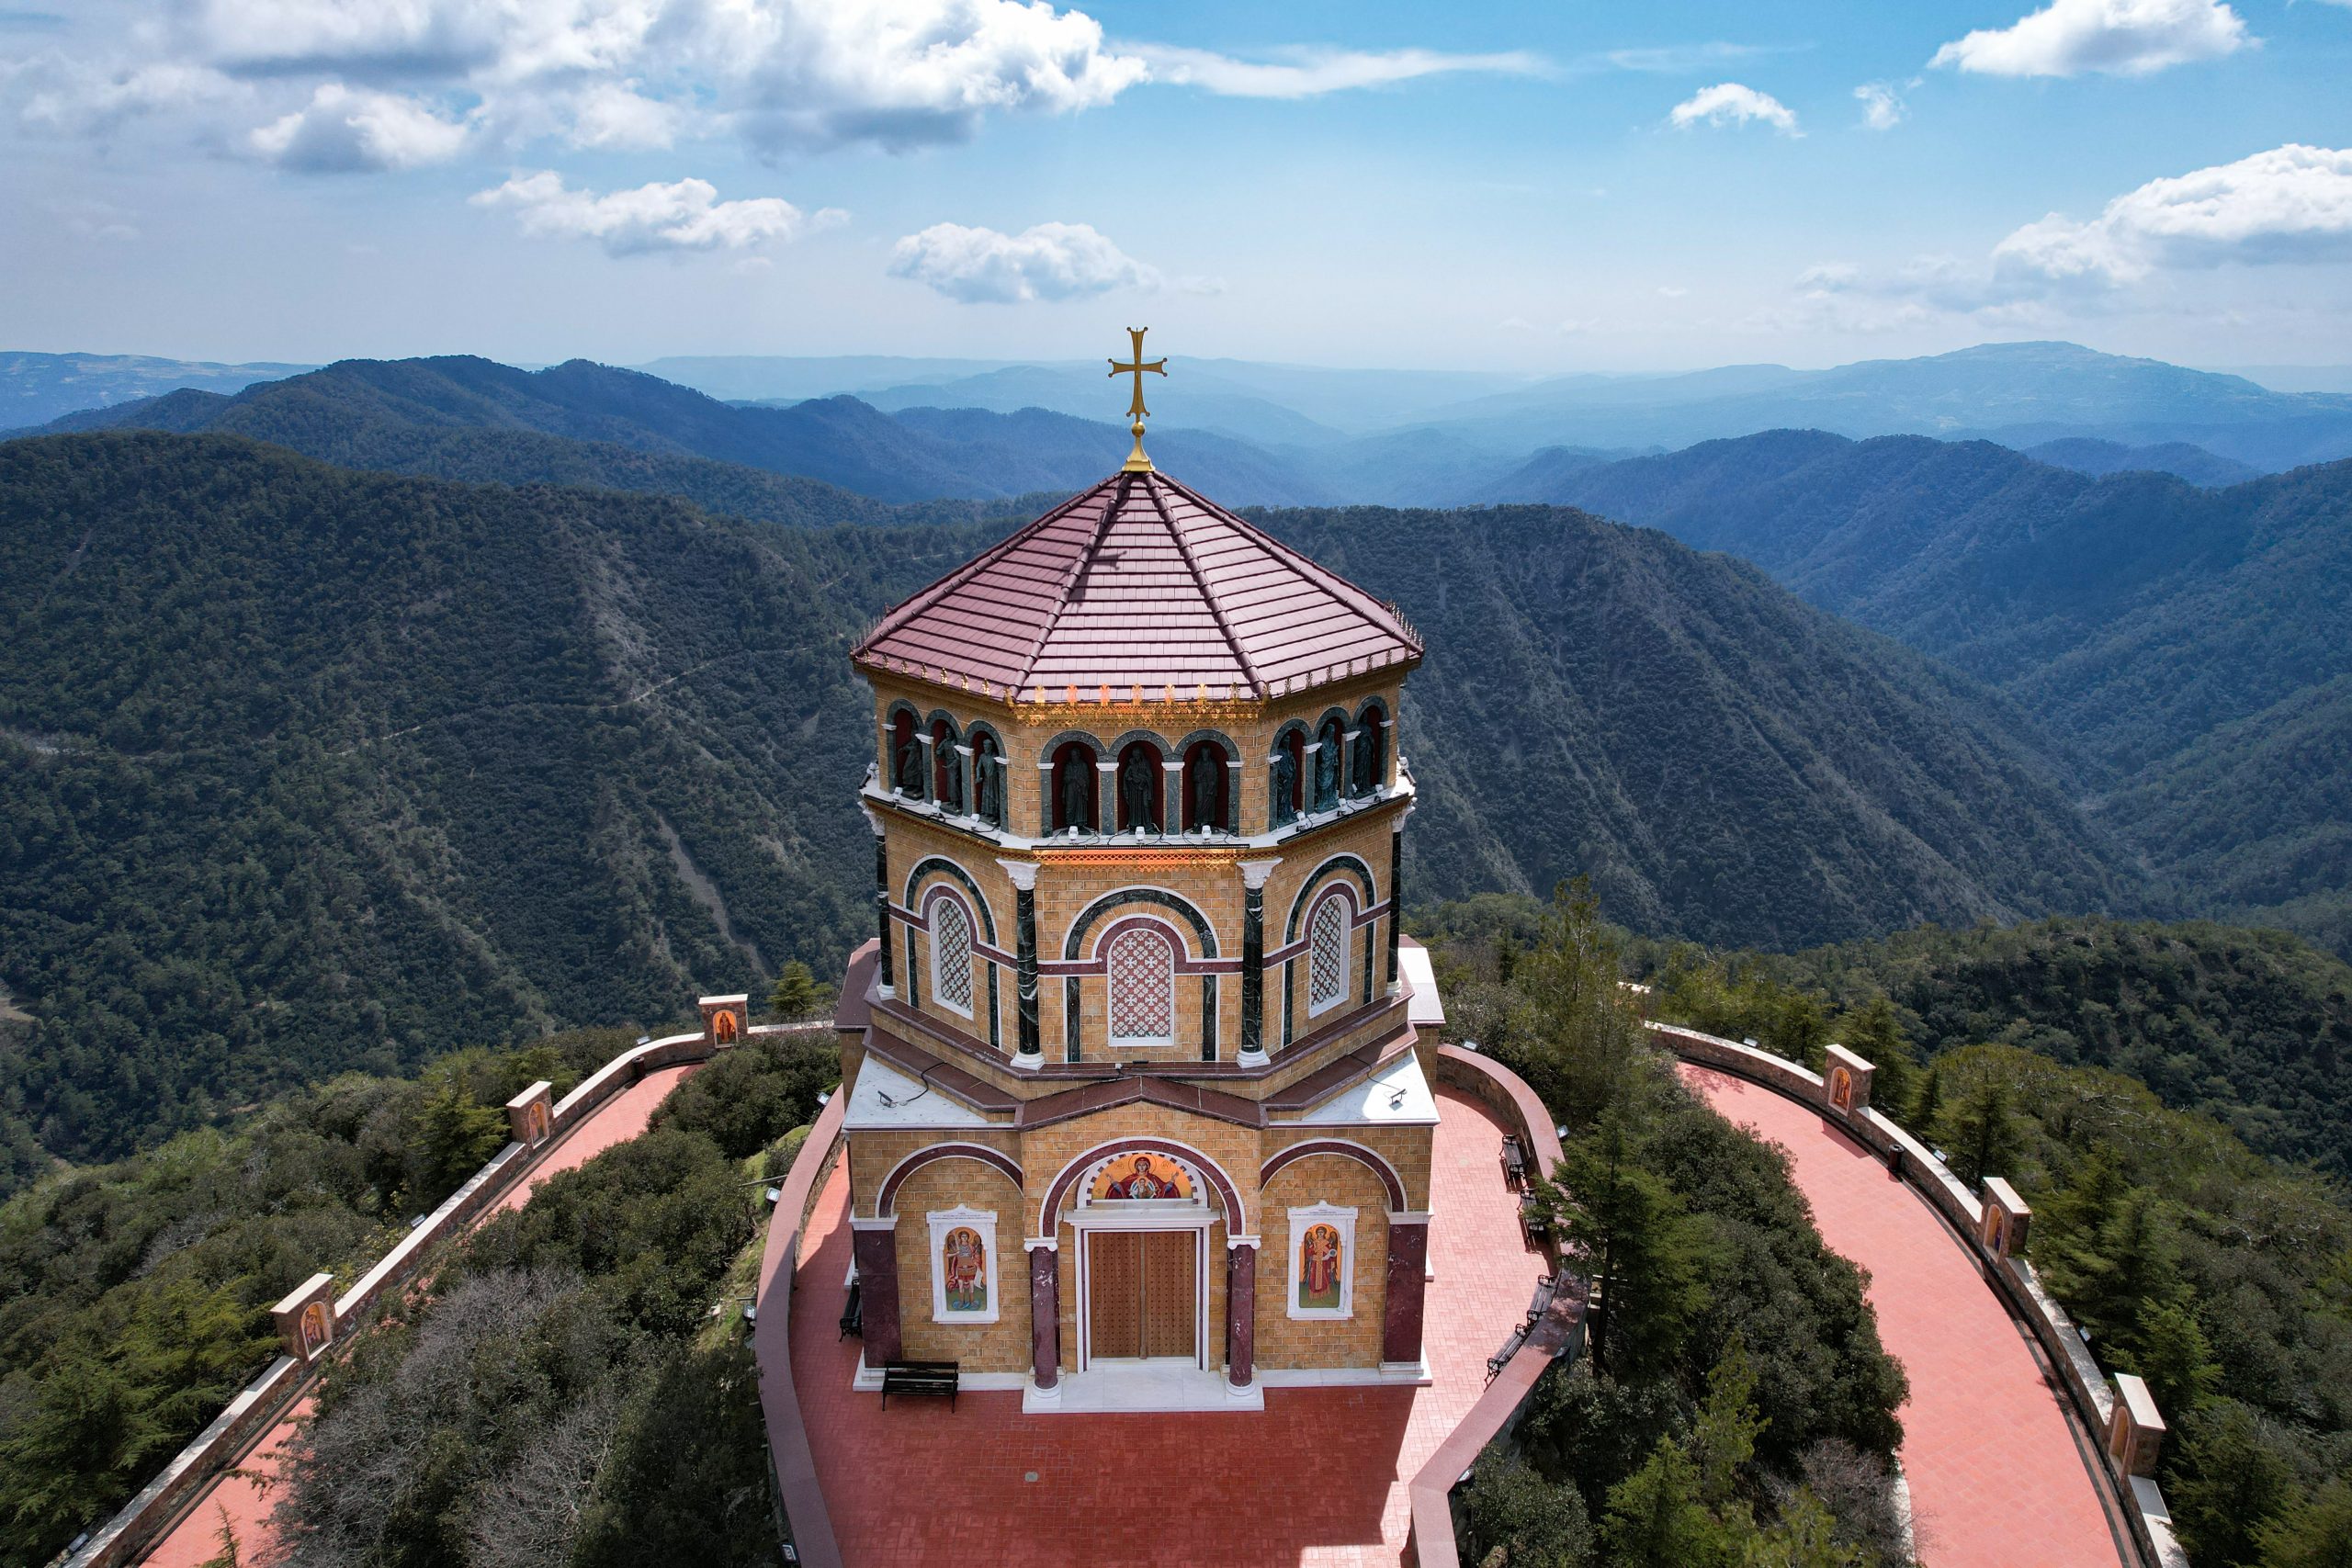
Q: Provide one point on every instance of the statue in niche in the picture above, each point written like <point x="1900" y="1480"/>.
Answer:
<point x="988" y="801"/>
<point x="1285" y="786"/>
<point x="1074" y="813"/>
<point x="1327" y="769"/>
<point x="910" y="769"/>
<point x="951" y="780"/>
<point x="1205" y="776"/>
<point x="1134" y="791"/>
<point x="1367" y="768"/>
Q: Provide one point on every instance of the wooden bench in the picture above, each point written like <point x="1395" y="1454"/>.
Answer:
<point x="936" y="1379"/>
<point x="1514" y="1163"/>
<point x="852" y="1316"/>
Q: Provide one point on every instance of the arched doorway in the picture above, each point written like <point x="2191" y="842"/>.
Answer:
<point x="1142" y="1218"/>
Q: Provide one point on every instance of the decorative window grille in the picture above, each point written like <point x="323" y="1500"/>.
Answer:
<point x="950" y="955"/>
<point x="1142" y="965"/>
<point x="1326" y="957"/>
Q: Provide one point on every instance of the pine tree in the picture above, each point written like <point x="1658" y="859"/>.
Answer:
<point x="1722" y="1438"/>
<point x="1979" y="1133"/>
<point x="1641" y="1245"/>
<point x="1874" y="1032"/>
<point x="796" y="994"/>
<point x="1584" y="1038"/>
<point x="2314" y="1532"/>
<point x="1805" y="1536"/>
<point x="1656" y="1520"/>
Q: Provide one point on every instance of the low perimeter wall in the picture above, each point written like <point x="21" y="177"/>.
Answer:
<point x="2136" y="1498"/>
<point x="258" y="1406"/>
<point x="1432" y="1542"/>
<point x="802" y="1499"/>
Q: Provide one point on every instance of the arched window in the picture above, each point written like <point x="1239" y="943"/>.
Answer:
<point x="1329" y="762"/>
<point x="1287" y="786"/>
<point x="1327" y="954"/>
<point x="1074" y="787"/>
<point x="946" y="767"/>
<point x="905" y="756"/>
<point x="1205" y="780"/>
<point x="1141" y="963"/>
<point x="988" y="779"/>
<point x="1139" y="785"/>
<point x="951" y="954"/>
<point x="1371" y="761"/>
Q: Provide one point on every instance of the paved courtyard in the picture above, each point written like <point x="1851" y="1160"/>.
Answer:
<point x="244" y="1496"/>
<point x="1318" y="1479"/>
<point x="2000" y="1476"/>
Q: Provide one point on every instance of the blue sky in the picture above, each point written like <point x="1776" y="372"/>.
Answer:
<point x="1532" y="187"/>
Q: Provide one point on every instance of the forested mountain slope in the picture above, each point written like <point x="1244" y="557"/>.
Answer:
<point x="2194" y="640"/>
<point x="403" y="415"/>
<point x="308" y="769"/>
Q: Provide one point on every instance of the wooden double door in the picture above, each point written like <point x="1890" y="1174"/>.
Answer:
<point x="1143" y="1295"/>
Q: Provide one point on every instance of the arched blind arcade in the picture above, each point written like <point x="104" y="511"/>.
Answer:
<point x="1327" y="956"/>
<point x="1141" y="963"/>
<point x="950" y="955"/>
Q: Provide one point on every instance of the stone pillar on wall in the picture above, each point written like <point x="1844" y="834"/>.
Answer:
<point x="874" y="1244"/>
<point x="530" y="1115"/>
<point x="2007" y="1219"/>
<point x="924" y="738"/>
<point x="2135" y="1433"/>
<point x="882" y="896"/>
<point x="1408" y="1252"/>
<point x="1845" y="1081"/>
<point x="1253" y="958"/>
<point x="305" y="1319"/>
<point x="1044" y="1318"/>
<point x="1030" y="1050"/>
<point x="1240" y="1313"/>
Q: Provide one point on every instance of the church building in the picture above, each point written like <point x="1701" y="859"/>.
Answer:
<point x="1140" y="1115"/>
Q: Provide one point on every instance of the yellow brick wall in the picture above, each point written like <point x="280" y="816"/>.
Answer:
<point x="999" y="1346"/>
<point x="1407" y="1148"/>
<point x="1352" y="1341"/>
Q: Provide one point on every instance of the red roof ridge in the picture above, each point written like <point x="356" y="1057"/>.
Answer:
<point x="1208" y="595"/>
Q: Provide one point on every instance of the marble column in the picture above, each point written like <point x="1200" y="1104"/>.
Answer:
<point x="925" y="739"/>
<point x="1241" y="1311"/>
<point x="1029" y="1046"/>
<point x="1253" y="958"/>
<point x="874" y="1244"/>
<point x="1408" y="1252"/>
<point x="1395" y="891"/>
<point x="1046" y="1316"/>
<point x="1348" y="780"/>
<point x="881" y="896"/>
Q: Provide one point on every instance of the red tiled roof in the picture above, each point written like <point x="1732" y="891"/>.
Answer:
<point x="1141" y="586"/>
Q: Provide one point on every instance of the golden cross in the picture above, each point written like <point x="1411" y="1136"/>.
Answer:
<point x="1136" y="462"/>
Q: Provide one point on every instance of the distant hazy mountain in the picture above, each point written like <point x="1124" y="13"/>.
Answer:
<point x="307" y="768"/>
<point x="2195" y="464"/>
<point x="462" y="417"/>
<point x="2198" y="642"/>
<point x="2022" y="394"/>
<point x="37" y="388"/>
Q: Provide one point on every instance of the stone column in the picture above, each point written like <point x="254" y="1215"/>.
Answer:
<point x="1408" y="1253"/>
<point x="1045" y="799"/>
<point x="881" y="896"/>
<point x="1347" y="739"/>
<point x="875" y="1244"/>
<point x="1172" y="798"/>
<point x="1233" y="796"/>
<point x="1030" y="1050"/>
<point x="924" y="738"/>
<point x="1106" y="797"/>
<point x="1253" y="959"/>
<point x="1046" y="1316"/>
<point x="1396" y="893"/>
<point x="1241" y="1312"/>
<point x="968" y="783"/>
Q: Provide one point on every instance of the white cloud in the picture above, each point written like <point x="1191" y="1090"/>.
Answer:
<point x="615" y="114"/>
<point x="1728" y="103"/>
<point x="683" y="215"/>
<point x="73" y="97"/>
<point x="1881" y="110"/>
<point x="1311" y="72"/>
<point x="347" y="129"/>
<point x="1051" y="261"/>
<point x="2291" y="204"/>
<point x="2121" y="38"/>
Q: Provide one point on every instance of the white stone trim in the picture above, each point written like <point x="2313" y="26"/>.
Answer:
<point x="882" y="1222"/>
<point x="1344" y="1222"/>
<point x="983" y="1222"/>
<point x="1022" y="874"/>
<point x="1254" y="873"/>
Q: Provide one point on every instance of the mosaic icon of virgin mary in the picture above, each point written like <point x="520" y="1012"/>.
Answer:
<point x="1143" y="1181"/>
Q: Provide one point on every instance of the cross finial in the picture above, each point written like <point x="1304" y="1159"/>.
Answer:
<point x="1136" y="462"/>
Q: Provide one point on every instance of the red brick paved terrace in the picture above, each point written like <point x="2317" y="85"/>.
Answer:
<point x="1318" y="1478"/>
<point x="2000" y="1476"/>
<point x="244" y="1493"/>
